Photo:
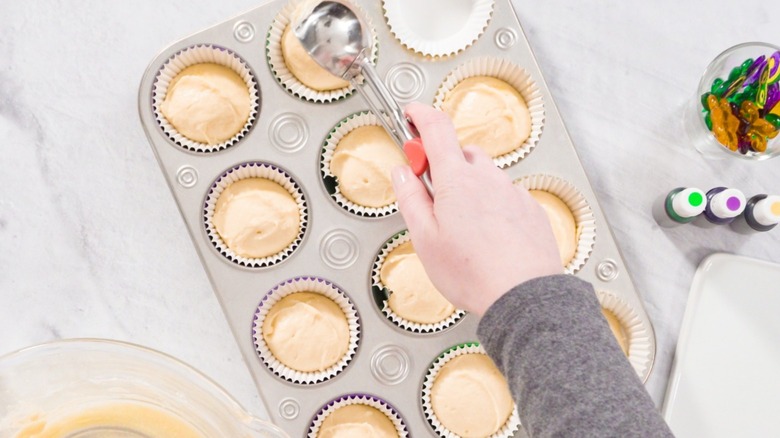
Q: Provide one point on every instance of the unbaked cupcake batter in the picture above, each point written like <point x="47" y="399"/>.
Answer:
<point x="617" y="329"/>
<point x="412" y="295"/>
<point x="102" y="421"/>
<point x="357" y="421"/>
<point x="306" y="331"/>
<point x="562" y="221"/>
<point x="256" y="217"/>
<point x="489" y="113"/>
<point x="470" y="397"/>
<point x="362" y="162"/>
<point x="207" y="103"/>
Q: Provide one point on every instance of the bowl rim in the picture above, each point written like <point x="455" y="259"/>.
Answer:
<point x="187" y="372"/>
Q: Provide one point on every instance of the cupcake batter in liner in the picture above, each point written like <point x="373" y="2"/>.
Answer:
<point x="358" y="399"/>
<point x="330" y="181"/>
<point x="639" y="345"/>
<point x="381" y="294"/>
<point x="517" y="78"/>
<point x="244" y="171"/>
<point x="195" y="55"/>
<point x="282" y="73"/>
<point x="583" y="215"/>
<point x="509" y="428"/>
<point x="312" y="285"/>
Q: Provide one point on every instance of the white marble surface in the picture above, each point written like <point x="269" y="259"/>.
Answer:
<point x="91" y="244"/>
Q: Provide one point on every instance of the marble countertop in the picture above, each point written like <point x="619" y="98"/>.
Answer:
<point x="91" y="242"/>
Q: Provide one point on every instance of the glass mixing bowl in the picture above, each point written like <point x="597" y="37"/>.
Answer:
<point x="100" y="388"/>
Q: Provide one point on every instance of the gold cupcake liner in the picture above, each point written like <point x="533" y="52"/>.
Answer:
<point x="478" y="21"/>
<point x="515" y="76"/>
<point x="358" y="399"/>
<point x="343" y="128"/>
<point x="253" y="170"/>
<point x="583" y="215"/>
<point x="314" y="285"/>
<point x="376" y="282"/>
<point x="202" y="54"/>
<point x="510" y="427"/>
<point x="640" y="348"/>
<point x="275" y="58"/>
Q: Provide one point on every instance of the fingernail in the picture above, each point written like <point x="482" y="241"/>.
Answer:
<point x="400" y="175"/>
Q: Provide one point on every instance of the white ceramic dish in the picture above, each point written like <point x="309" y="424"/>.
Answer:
<point x="725" y="381"/>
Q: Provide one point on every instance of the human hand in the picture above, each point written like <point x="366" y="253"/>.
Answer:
<point x="480" y="235"/>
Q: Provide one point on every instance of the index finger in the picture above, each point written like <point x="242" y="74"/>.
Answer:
<point x="438" y="137"/>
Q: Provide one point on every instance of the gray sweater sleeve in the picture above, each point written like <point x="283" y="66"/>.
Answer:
<point x="563" y="365"/>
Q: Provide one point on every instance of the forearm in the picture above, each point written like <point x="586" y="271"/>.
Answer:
<point x="563" y="365"/>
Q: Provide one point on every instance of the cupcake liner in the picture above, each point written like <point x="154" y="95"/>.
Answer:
<point x="343" y="128"/>
<point x="510" y="427"/>
<point x="515" y="76"/>
<point x="314" y="285"/>
<point x="253" y="170"/>
<point x="275" y="58"/>
<point x="202" y="54"/>
<point x="380" y="289"/>
<point x="457" y="42"/>
<point x="583" y="215"/>
<point x="640" y="348"/>
<point x="358" y="399"/>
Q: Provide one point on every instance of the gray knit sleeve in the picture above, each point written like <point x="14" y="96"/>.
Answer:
<point x="563" y="365"/>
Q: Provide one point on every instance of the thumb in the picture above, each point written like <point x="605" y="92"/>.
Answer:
<point x="414" y="202"/>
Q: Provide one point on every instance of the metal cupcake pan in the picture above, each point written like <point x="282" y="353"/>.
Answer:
<point x="339" y="246"/>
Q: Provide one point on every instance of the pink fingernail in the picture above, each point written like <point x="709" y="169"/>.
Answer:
<point x="400" y="175"/>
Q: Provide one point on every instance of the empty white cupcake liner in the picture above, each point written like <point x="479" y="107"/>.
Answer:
<point x="253" y="170"/>
<point x="358" y="399"/>
<point x="515" y="76"/>
<point x="640" y="347"/>
<point x="376" y="281"/>
<point x="472" y="30"/>
<point x="510" y="427"/>
<point x="580" y="209"/>
<point x="344" y="127"/>
<point x="275" y="58"/>
<point x="314" y="285"/>
<point x="202" y="54"/>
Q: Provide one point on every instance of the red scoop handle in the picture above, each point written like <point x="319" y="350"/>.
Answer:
<point x="416" y="155"/>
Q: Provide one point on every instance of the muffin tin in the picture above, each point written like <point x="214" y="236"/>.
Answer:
<point x="337" y="245"/>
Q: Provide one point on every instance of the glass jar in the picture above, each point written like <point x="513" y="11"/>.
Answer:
<point x="698" y="131"/>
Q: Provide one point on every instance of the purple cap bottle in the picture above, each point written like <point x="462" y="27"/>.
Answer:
<point x="724" y="205"/>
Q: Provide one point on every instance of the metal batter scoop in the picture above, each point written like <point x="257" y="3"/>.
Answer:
<point x="339" y="40"/>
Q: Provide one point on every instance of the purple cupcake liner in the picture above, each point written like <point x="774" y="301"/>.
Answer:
<point x="362" y="399"/>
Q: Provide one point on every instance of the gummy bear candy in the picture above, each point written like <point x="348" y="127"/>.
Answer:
<point x="748" y="111"/>
<point x="742" y="110"/>
<point x="724" y="123"/>
<point x="773" y="119"/>
<point x="763" y="128"/>
<point x="758" y="143"/>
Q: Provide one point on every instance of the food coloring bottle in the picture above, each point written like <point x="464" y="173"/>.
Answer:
<point x="724" y="205"/>
<point x="762" y="213"/>
<point x="680" y="206"/>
